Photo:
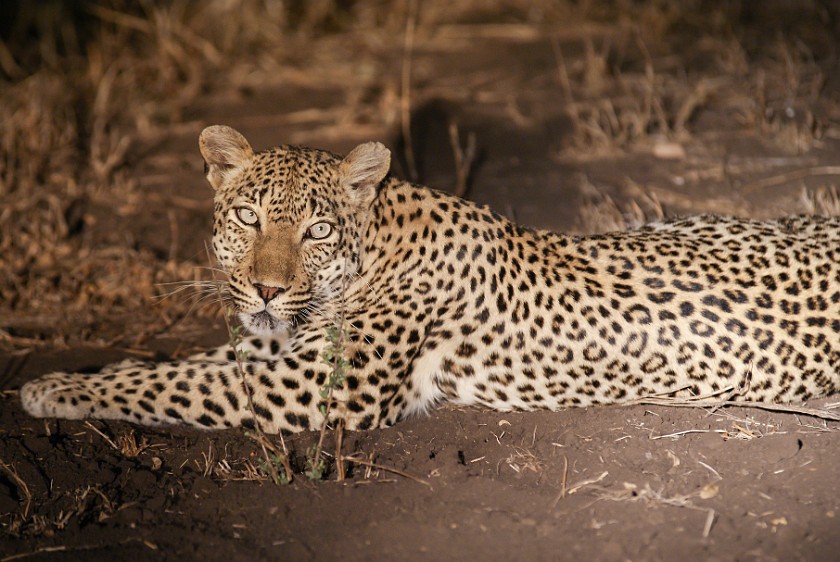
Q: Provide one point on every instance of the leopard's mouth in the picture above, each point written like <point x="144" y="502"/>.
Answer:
<point x="263" y="323"/>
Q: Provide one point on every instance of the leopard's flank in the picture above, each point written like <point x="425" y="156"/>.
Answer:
<point x="446" y="301"/>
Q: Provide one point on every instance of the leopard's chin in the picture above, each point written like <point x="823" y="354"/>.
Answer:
<point x="263" y="324"/>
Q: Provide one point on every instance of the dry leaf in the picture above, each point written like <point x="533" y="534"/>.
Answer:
<point x="710" y="490"/>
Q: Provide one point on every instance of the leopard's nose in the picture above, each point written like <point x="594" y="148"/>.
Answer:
<point x="267" y="292"/>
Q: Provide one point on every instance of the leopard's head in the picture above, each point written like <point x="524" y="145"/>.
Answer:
<point x="288" y="223"/>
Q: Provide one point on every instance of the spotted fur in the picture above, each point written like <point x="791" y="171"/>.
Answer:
<point x="445" y="300"/>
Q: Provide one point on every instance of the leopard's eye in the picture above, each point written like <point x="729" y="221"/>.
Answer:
<point x="246" y="216"/>
<point x="319" y="230"/>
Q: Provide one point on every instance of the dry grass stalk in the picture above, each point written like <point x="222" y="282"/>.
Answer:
<point x="652" y="104"/>
<point x="793" y="175"/>
<point x="632" y="493"/>
<point x="761" y="427"/>
<point x="727" y="397"/>
<point x="566" y="85"/>
<point x="339" y="440"/>
<point x="596" y="71"/>
<point x="229" y="470"/>
<point x="464" y="159"/>
<point x="704" y="403"/>
<point x="524" y="460"/>
<point x="67" y="133"/>
<point x="356" y="459"/>
<point x="208" y="466"/>
<point x="694" y="101"/>
<point x="685" y="432"/>
<point x="585" y="483"/>
<point x="563" y="489"/>
<point x="563" y="480"/>
<point x="600" y="213"/>
<point x="405" y="90"/>
<point x="126" y="443"/>
<point x="36" y="552"/>
<point x="107" y="439"/>
<point x="333" y="355"/>
<point x="82" y="548"/>
<point x="824" y="200"/>
<point x="130" y="447"/>
<point x="271" y="455"/>
<point x="21" y="486"/>
<point x="91" y="500"/>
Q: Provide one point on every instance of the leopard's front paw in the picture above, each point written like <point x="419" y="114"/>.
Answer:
<point x="57" y="395"/>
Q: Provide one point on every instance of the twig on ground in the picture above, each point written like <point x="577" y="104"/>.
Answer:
<point x="565" y="474"/>
<point x="64" y="548"/>
<point x="686" y="432"/>
<point x="562" y="493"/>
<point x="710" y="520"/>
<point x="632" y="493"/>
<point x="371" y="464"/>
<point x="728" y="393"/>
<point x="339" y="440"/>
<point x="21" y="485"/>
<point x="712" y="470"/>
<point x="588" y="482"/>
<point x="705" y="403"/>
<point x="102" y="435"/>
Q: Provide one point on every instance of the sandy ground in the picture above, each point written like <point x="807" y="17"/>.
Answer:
<point x="563" y="139"/>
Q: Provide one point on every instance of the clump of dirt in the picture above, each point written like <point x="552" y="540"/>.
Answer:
<point x="578" y="117"/>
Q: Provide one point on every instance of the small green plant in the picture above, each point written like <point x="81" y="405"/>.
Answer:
<point x="274" y="464"/>
<point x="235" y="339"/>
<point x="316" y="466"/>
<point x="333" y="356"/>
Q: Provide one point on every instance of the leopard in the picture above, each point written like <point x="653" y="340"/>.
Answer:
<point x="436" y="300"/>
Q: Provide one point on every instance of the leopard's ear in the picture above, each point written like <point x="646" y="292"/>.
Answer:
<point x="224" y="149"/>
<point x="361" y="171"/>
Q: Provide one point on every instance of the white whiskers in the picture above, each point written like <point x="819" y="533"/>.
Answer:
<point x="198" y="293"/>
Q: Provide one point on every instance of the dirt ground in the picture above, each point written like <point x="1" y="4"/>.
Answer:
<point x="582" y="117"/>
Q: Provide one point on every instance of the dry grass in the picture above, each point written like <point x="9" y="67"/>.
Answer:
<point x="90" y="503"/>
<point x="106" y="79"/>
<point x="65" y="141"/>
<point x="524" y="460"/>
<point x="103" y="82"/>
<point x="630" y="492"/>
<point x="720" y="399"/>
<point x="600" y="212"/>
<point x="125" y="443"/>
<point x="80" y="106"/>
<point x="23" y="491"/>
<point x="369" y="465"/>
<point x="222" y="467"/>
<point x="824" y="200"/>
<point x="630" y="88"/>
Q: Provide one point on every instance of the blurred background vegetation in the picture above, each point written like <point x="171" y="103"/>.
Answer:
<point x="89" y="90"/>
